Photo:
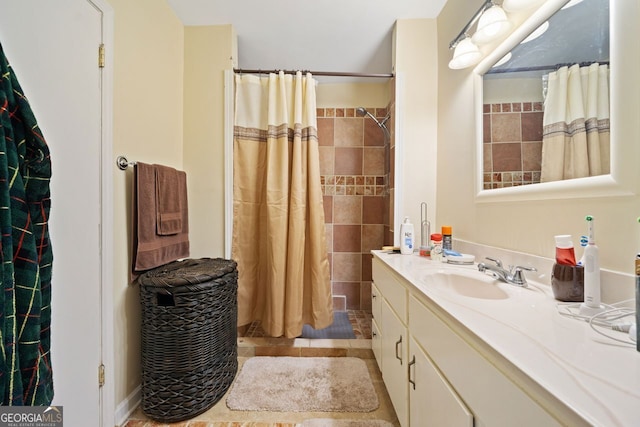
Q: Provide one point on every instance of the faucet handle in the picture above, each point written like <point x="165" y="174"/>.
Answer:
<point x="517" y="268"/>
<point x="497" y="261"/>
<point x="517" y="275"/>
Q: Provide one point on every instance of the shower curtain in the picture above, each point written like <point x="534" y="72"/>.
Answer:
<point x="279" y="237"/>
<point x="25" y="271"/>
<point x="575" y="140"/>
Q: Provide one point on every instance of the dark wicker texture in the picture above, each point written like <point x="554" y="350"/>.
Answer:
<point x="189" y="338"/>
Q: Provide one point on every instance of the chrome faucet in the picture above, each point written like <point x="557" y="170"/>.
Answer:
<point x="514" y="275"/>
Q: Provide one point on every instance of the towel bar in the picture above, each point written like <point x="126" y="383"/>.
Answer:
<point x="123" y="163"/>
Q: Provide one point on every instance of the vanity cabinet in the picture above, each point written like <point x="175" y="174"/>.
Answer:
<point x="415" y="386"/>
<point x="436" y="372"/>
<point x="389" y="307"/>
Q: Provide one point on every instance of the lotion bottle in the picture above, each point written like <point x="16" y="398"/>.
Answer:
<point x="436" y="249"/>
<point x="407" y="241"/>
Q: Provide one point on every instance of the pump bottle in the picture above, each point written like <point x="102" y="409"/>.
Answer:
<point x="407" y="241"/>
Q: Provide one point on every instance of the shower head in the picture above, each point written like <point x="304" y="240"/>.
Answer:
<point x="361" y="112"/>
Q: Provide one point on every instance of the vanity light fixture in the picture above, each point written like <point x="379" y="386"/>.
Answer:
<point x="492" y="25"/>
<point x="465" y="55"/>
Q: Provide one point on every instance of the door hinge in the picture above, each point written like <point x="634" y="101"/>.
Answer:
<point x="101" y="55"/>
<point x="101" y="375"/>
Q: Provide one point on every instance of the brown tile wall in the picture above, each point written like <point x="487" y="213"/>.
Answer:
<point x="512" y="148"/>
<point x="354" y="168"/>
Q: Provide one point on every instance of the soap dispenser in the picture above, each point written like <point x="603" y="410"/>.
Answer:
<point x="406" y="237"/>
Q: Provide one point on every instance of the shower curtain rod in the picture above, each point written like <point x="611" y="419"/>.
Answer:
<point x="315" y="73"/>
<point x="554" y="67"/>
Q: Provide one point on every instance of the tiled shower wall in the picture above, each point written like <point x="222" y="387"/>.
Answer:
<point x="512" y="144"/>
<point x="354" y="159"/>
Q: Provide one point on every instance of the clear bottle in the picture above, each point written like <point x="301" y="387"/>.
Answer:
<point x="436" y="247"/>
<point x="406" y="237"/>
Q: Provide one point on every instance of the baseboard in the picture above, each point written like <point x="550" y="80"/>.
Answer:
<point x="127" y="406"/>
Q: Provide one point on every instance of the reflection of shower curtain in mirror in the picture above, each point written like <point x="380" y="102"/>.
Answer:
<point x="279" y="236"/>
<point x="575" y="141"/>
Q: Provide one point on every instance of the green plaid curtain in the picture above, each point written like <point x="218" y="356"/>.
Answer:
<point x="26" y="257"/>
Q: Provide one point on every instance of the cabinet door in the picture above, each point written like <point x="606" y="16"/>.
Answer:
<point x="394" y="362"/>
<point x="376" y="305"/>
<point x="392" y="289"/>
<point x="376" y="326"/>
<point x="376" y="343"/>
<point x="432" y="401"/>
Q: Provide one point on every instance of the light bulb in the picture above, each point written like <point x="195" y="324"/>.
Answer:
<point x="465" y="55"/>
<point x="492" y="25"/>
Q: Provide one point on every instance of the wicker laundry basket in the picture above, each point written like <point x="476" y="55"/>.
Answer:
<point x="189" y="336"/>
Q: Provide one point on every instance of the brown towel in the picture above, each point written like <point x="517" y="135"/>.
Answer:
<point x="150" y="248"/>
<point x="168" y="201"/>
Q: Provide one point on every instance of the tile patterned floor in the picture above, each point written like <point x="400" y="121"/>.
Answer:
<point x="253" y="344"/>
<point x="360" y="322"/>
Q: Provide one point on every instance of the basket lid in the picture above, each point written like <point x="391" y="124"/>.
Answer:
<point x="187" y="272"/>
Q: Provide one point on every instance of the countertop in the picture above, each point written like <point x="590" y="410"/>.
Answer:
<point x="597" y="378"/>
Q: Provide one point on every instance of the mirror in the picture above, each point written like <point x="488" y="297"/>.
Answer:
<point x="509" y="153"/>
<point x="514" y="92"/>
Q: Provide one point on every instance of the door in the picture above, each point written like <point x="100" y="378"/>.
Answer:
<point x="53" y="49"/>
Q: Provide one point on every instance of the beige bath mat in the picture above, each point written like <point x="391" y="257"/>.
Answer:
<point x="303" y="384"/>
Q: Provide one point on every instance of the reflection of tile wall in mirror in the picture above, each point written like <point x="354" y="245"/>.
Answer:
<point x="512" y="144"/>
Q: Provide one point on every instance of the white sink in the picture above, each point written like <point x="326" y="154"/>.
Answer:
<point x="472" y="284"/>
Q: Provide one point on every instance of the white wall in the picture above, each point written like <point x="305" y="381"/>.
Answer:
<point x="147" y="126"/>
<point x="208" y="51"/>
<point x="498" y="90"/>
<point x="417" y="118"/>
<point x="352" y="94"/>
